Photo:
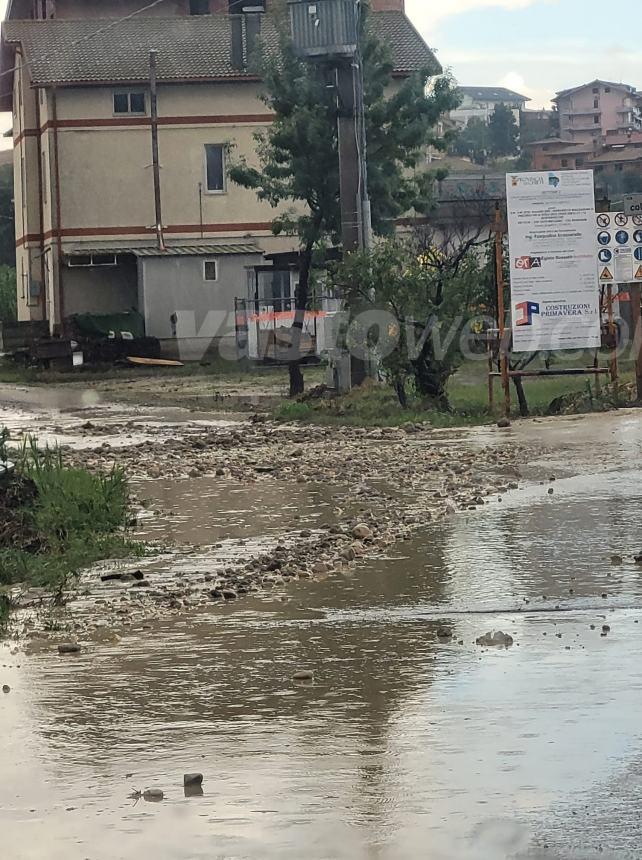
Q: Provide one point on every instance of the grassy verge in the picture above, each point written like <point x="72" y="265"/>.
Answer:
<point x="54" y="521"/>
<point x="376" y="405"/>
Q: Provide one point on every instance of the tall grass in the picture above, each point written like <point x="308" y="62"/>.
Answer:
<point x="75" y="519"/>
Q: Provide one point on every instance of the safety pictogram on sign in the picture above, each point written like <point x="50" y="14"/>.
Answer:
<point x="606" y="274"/>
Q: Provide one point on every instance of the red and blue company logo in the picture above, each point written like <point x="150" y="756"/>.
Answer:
<point x="526" y="311"/>
<point x="528" y="262"/>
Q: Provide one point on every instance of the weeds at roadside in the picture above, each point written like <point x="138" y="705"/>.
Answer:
<point x="69" y="519"/>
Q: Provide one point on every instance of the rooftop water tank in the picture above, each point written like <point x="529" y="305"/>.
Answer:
<point x="325" y="28"/>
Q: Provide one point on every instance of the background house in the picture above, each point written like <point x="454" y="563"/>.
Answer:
<point x="84" y="192"/>
<point x="594" y="112"/>
<point x="481" y="102"/>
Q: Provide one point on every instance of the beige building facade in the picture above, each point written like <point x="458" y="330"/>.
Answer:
<point x="84" y="182"/>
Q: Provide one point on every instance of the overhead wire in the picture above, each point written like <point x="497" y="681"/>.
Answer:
<point x="81" y="40"/>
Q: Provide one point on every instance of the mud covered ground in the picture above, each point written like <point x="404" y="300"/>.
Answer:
<point x="316" y="502"/>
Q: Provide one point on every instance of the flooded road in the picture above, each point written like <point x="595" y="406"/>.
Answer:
<point x="403" y="746"/>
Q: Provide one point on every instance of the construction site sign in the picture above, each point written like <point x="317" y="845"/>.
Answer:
<point x="619" y="247"/>
<point x="555" y="297"/>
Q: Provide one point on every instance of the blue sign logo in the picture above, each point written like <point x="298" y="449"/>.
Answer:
<point x="621" y="237"/>
<point x="604" y="238"/>
<point x="605" y="256"/>
<point x="637" y="253"/>
<point x="637" y="237"/>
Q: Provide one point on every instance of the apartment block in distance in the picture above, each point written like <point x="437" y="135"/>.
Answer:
<point x="596" y="112"/>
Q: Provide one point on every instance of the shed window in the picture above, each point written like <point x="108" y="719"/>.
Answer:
<point x="210" y="270"/>
<point x="132" y="102"/>
<point x="215" y="167"/>
<point x="199" y="7"/>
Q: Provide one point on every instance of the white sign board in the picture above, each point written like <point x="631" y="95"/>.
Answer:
<point x="619" y="243"/>
<point x="633" y="205"/>
<point x="555" y="300"/>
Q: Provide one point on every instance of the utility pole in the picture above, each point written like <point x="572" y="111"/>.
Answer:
<point x="349" y="162"/>
<point x="636" y="319"/>
<point x="155" y="158"/>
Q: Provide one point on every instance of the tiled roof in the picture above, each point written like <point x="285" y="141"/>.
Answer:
<point x="492" y="94"/>
<point x="189" y="48"/>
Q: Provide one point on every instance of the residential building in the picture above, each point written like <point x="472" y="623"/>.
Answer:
<point x="87" y="239"/>
<point x="481" y="102"/>
<point x="597" y="111"/>
<point x="537" y="125"/>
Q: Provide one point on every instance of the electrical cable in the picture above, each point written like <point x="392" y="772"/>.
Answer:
<point x="86" y="38"/>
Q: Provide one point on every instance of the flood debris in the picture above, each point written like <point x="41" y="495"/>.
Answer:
<point x="69" y="648"/>
<point x="494" y="640"/>
<point x="303" y="675"/>
<point x="129" y="576"/>
<point x="153" y="795"/>
<point x="192" y="779"/>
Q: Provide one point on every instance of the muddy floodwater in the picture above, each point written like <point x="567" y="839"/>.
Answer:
<point x="404" y="745"/>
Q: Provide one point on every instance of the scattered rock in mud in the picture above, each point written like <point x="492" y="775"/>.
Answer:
<point x="129" y="576"/>
<point x="69" y="648"/>
<point x="606" y="628"/>
<point x="153" y="795"/>
<point x="617" y="559"/>
<point x="503" y="423"/>
<point x="362" y="532"/>
<point x="638" y="558"/>
<point x="6" y="688"/>
<point x="497" y="639"/>
<point x="303" y="675"/>
<point x="444" y="633"/>
<point x="191" y="779"/>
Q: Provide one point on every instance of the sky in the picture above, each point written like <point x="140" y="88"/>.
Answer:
<point x="535" y="47"/>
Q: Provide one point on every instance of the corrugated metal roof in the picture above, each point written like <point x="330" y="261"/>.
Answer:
<point x="218" y="250"/>
<point x="194" y="47"/>
<point x="199" y="250"/>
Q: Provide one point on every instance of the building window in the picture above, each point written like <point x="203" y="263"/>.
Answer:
<point x="596" y="103"/>
<point x="199" y="7"/>
<point x="596" y="120"/>
<point x="215" y="168"/>
<point x="565" y="162"/>
<point x="596" y="91"/>
<point x="210" y="270"/>
<point x="130" y="102"/>
<point x="607" y="89"/>
<point x="619" y="167"/>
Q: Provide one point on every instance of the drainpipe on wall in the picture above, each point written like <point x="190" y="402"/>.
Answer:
<point x="155" y="160"/>
<point x="58" y="267"/>
<point x="41" y="206"/>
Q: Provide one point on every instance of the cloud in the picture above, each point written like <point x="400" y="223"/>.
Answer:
<point x="428" y="15"/>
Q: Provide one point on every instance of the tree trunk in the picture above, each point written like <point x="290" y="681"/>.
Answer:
<point x="521" y="396"/>
<point x="297" y="383"/>
<point x="400" y="388"/>
<point x="430" y="379"/>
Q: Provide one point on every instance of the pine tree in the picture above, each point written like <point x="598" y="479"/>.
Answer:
<point x="298" y="154"/>
<point x="504" y="131"/>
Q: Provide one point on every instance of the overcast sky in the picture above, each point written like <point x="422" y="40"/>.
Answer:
<point x="535" y="47"/>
